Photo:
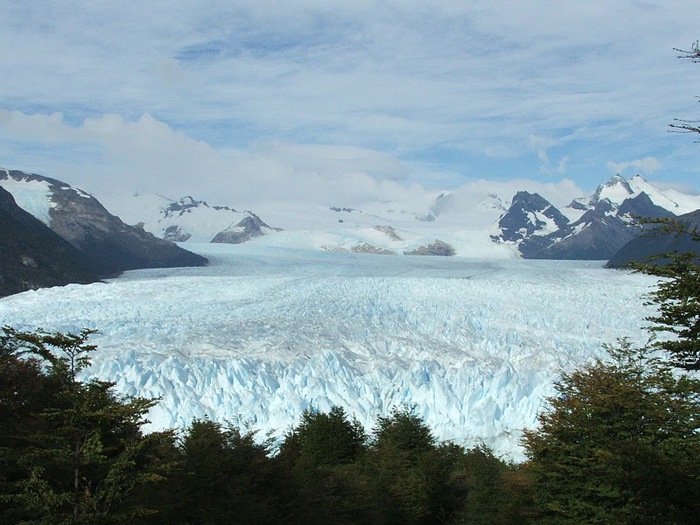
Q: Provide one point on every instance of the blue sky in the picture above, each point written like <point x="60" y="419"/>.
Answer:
<point x="234" y="98"/>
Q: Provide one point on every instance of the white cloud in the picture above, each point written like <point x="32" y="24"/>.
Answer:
<point x="146" y="155"/>
<point x="15" y="125"/>
<point x="541" y="145"/>
<point x="403" y="79"/>
<point x="645" y="165"/>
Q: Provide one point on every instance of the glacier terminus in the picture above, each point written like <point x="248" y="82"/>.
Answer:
<point x="266" y="331"/>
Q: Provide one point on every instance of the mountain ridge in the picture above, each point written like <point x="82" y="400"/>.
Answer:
<point x="105" y="245"/>
<point x="475" y="224"/>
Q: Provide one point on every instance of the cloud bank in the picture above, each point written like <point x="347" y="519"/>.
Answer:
<point x="344" y="96"/>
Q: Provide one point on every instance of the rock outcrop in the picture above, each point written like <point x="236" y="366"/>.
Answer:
<point x="437" y="248"/>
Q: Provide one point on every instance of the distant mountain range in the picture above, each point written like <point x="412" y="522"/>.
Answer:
<point x="595" y="228"/>
<point x="601" y="226"/>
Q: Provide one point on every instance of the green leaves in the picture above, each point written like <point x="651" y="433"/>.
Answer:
<point x="617" y="433"/>
<point x="75" y="453"/>
<point x="677" y="297"/>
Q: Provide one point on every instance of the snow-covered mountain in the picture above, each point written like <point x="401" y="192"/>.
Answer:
<point x="264" y="332"/>
<point x="471" y="222"/>
<point x="190" y="220"/>
<point x="32" y="255"/>
<point x="107" y="245"/>
<point x="489" y="220"/>
<point x="376" y="227"/>
<point x="595" y="227"/>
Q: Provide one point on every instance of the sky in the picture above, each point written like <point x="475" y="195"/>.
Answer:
<point x="240" y="100"/>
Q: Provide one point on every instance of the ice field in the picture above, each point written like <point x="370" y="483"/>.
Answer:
<point x="265" y="332"/>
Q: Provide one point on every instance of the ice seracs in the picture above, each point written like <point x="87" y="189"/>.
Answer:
<point x="264" y="332"/>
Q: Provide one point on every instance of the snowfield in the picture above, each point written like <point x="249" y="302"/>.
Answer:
<point x="265" y="332"/>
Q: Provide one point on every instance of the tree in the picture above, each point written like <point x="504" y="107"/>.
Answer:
<point x="321" y="462"/>
<point x="620" y="443"/>
<point x="681" y="125"/>
<point x="677" y="293"/>
<point x="326" y="439"/>
<point x="497" y="492"/>
<point x="405" y="467"/>
<point x="75" y="452"/>
<point x="222" y="478"/>
<point x="677" y="297"/>
<point x="404" y="431"/>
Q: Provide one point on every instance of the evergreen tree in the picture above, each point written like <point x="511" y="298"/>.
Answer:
<point x="405" y="468"/>
<point x="497" y="492"/>
<point x="677" y="297"/>
<point x="321" y="461"/>
<point x="619" y="444"/>
<point x="326" y="439"/>
<point x="75" y="451"/>
<point x="223" y="478"/>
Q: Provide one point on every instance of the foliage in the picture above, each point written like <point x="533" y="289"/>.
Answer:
<point x="222" y="477"/>
<point x="410" y="472"/>
<point x="619" y="444"/>
<point x="326" y="439"/>
<point x="677" y="297"/>
<point x="72" y="451"/>
<point x="403" y="431"/>
<point x="497" y="493"/>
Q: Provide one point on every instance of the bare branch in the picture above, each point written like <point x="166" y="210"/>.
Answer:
<point x="693" y="54"/>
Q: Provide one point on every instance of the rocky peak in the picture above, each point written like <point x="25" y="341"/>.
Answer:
<point x="108" y="245"/>
<point x="249" y="227"/>
<point x="617" y="189"/>
<point x="529" y="213"/>
<point x="187" y="204"/>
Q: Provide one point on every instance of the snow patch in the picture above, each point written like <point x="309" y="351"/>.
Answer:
<point x="33" y="197"/>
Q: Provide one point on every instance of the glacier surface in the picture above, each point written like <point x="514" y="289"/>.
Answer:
<point x="265" y="332"/>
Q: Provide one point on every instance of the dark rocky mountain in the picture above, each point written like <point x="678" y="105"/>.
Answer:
<point x="599" y="233"/>
<point x="653" y="242"/>
<point x="248" y="228"/>
<point x="529" y="214"/>
<point x="32" y="255"/>
<point x="541" y="231"/>
<point x="108" y="245"/>
<point x="188" y="203"/>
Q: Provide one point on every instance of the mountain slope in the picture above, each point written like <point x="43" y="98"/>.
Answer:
<point x="32" y="255"/>
<point x="601" y="225"/>
<point x="192" y="220"/>
<point x="108" y="245"/>
<point x="654" y="243"/>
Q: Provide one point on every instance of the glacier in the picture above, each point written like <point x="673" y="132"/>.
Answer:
<point x="265" y="332"/>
